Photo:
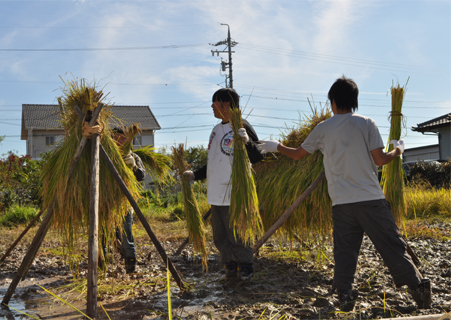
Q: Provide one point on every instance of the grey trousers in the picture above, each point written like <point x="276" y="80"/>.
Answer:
<point x="376" y="220"/>
<point x="224" y="239"/>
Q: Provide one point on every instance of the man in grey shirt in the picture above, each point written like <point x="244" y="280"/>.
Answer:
<point x="352" y="147"/>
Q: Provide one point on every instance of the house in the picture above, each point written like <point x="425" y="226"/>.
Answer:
<point x="441" y="151"/>
<point x="41" y="127"/>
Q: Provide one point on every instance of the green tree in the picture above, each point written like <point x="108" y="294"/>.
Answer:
<point x="19" y="180"/>
<point x="196" y="157"/>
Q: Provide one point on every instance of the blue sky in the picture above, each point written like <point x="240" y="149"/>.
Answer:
<point x="158" y="54"/>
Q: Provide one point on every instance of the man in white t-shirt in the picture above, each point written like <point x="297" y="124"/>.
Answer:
<point x="352" y="149"/>
<point x="236" y="257"/>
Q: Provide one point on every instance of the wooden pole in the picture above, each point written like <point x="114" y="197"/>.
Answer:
<point x="43" y="228"/>
<point x="143" y="220"/>
<point x="288" y="212"/>
<point x="183" y="245"/>
<point x="11" y="248"/>
<point x="93" y="240"/>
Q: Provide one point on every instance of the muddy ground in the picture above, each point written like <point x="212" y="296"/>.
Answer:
<point x="291" y="282"/>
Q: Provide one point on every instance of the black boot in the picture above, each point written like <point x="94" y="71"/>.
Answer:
<point x="421" y="293"/>
<point x="347" y="299"/>
<point x="246" y="271"/>
<point x="231" y="270"/>
<point x="130" y="265"/>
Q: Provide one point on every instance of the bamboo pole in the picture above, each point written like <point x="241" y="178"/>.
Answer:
<point x="93" y="240"/>
<point x="143" y="220"/>
<point x="288" y="212"/>
<point x="183" y="245"/>
<point x="11" y="248"/>
<point x="43" y="228"/>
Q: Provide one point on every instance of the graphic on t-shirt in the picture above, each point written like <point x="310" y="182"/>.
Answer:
<point x="212" y="136"/>
<point x="227" y="143"/>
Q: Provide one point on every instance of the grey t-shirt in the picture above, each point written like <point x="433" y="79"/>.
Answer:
<point x="346" y="141"/>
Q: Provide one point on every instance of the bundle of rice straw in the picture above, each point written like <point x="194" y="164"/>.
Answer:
<point x="194" y="221"/>
<point x="130" y="132"/>
<point x="282" y="180"/>
<point x="245" y="217"/>
<point x="158" y="165"/>
<point x="71" y="213"/>
<point x="393" y="175"/>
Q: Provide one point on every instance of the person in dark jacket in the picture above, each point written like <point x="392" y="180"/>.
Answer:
<point x="236" y="257"/>
<point x="128" y="242"/>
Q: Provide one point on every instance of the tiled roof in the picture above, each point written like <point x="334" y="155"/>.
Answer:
<point x="47" y="116"/>
<point x="433" y="124"/>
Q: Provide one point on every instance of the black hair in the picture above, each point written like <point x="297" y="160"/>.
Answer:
<point x="227" y="95"/>
<point x="345" y="93"/>
<point x="118" y="130"/>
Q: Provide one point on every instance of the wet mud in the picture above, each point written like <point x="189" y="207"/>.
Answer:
<point x="289" y="281"/>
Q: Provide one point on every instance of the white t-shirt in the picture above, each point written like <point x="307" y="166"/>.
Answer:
<point x="346" y="141"/>
<point x="219" y="165"/>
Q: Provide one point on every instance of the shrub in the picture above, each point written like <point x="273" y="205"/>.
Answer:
<point x="436" y="174"/>
<point x="16" y="215"/>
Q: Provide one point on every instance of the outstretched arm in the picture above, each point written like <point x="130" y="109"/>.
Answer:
<point x="275" y="146"/>
<point x="381" y="158"/>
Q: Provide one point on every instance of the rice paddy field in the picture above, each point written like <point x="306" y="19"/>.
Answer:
<point x="293" y="275"/>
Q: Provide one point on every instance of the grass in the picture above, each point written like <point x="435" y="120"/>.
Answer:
<point x="17" y="215"/>
<point x="424" y="201"/>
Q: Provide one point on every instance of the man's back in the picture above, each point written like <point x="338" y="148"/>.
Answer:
<point x="346" y="141"/>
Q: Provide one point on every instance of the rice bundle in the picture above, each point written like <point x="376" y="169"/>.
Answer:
<point x="156" y="164"/>
<point x="130" y="132"/>
<point x="71" y="213"/>
<point x="282" y="180"/>
<point x="194" y="221"/>
<point x="244" y="213"/>
<point x="392" y="181"/>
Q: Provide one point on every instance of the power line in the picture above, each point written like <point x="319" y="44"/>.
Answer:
<point x="107" y="49"/>
<point x="341" y="60"/>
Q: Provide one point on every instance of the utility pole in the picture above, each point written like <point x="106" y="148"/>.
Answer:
<point x="229" y="43"/>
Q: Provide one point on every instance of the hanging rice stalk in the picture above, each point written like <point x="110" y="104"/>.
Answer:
<point x="71" y="215"/>
<point x="194" y="221"/>
<point x="130" y="132"/>
<point x="282" y="180"/>
<point x="393" y="175"/>
<point x="244" y="214"/>
<point x="156" y="164"/>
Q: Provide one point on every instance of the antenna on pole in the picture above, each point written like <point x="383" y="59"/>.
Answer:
<point x="229" y="43"/>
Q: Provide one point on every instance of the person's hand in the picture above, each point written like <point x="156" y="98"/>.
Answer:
<point x="243" y="134"/>
<point x="266" y="146"/>
<point x="189" y="175"/>
<point x="88" y="131"/>
<point x="129" y="160"/>
<point x="397" y="144"/>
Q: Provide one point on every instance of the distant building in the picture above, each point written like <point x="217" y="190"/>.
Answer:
<point x="441" y="151"/>
<point x="41" y="127"/>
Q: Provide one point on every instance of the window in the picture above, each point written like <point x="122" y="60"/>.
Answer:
<point x="137" y="141"/>
<point x="49" y="140"/>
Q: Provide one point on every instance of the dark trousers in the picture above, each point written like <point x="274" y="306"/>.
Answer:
<point x="230" y="249"/>
<point x="376" y="220"/>
<point x="127" y="239"/>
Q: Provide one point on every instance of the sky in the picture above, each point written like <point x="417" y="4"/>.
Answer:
<point x="288" y="54"/>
